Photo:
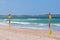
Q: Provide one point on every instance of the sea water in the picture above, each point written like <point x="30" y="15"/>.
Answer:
<point x="32" y="22"/>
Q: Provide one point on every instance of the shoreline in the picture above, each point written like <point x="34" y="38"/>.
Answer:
<point x="54" y="27"/>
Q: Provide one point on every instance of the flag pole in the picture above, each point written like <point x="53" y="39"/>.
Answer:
<point x="49" y="31"/>
<point x="9" y="24"/>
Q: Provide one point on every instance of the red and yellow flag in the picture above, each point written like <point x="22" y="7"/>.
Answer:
<point x="49" y="31"/>
<point x="50" y="16"/>
<point x="9" y="16"/>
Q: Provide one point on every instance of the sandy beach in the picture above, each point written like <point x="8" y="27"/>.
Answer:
<point x="26" y="34"/>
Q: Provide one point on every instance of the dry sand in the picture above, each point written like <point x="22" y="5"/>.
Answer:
<point x="26" y="34"/>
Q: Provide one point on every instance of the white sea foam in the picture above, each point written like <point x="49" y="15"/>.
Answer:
<point x="35" y="26"/>
<point x="46" y="24"/>
<point x="43" y="24"/>
<point x="56" y="24"/>
<point x="32" y="19"/>
<point x="3" y="23"/>
<point x="20" y="22"/>
<point x="32" y="27"/>
<point x="39" y="24"/>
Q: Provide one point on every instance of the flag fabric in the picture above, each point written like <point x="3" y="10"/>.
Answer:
<point x="9" y="16"/>
<point x="50" y="16"/>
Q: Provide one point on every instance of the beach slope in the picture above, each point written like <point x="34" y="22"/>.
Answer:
<point x="26" y="34"/>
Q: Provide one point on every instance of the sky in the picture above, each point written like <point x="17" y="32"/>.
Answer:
<point x="29" y="7"/>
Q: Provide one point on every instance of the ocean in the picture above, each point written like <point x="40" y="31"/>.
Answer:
<point x="30" y="21"/>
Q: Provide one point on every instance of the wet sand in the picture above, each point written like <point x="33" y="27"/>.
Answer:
<point x="27" y="34"/>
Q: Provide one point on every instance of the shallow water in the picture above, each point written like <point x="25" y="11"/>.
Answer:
<point x="32" y="22"/>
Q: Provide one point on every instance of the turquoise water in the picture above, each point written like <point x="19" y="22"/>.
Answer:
<point x="31" y="22"/>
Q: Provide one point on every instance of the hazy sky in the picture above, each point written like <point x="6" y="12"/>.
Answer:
<point x="20" y="7"/>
